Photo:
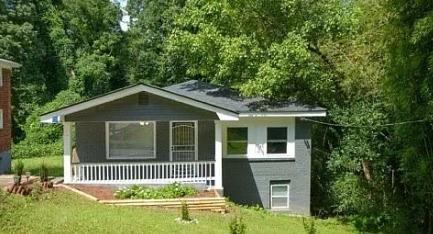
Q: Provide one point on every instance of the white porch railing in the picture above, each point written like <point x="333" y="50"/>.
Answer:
<point x="144" y="173"/>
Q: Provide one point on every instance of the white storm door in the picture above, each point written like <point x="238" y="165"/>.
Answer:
<point x="183" y="141"/>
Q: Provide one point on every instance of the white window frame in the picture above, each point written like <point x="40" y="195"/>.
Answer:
<point x="257" y="137"/>
<point x="227" y="141"/>
<point x="1" y="119"/>
<point x="107" y="140"/>
<point x="286" y="141"/>
<point x="195" y="132"/>
<point x="288" y="195"/>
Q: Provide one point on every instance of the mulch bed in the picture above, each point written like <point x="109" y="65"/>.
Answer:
<point x="99" y="191"/>
<point x="106" y="192"/>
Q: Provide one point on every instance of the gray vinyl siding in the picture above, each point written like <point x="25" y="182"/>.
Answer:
<point x="247" y="181"/>
<point x="91" y="145"/>
<point x="206" y="140"/>
<point x="142" y="106"/>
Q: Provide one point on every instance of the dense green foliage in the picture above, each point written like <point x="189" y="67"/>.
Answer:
<point x="368" y="62"/>
<point x="173" y="190"/>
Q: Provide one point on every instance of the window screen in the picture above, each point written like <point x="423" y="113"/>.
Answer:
<point x="237" y="141"/>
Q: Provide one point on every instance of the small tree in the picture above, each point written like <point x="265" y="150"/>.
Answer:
<point x="237" y="226"/>
<point x="185" y="212"/>
<point x="19" y="168"/>
<point x="309" y="225"/>
<point x="43" y="172"/>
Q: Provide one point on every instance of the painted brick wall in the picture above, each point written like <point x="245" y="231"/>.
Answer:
<point x="247" y="181"/>
<point x="5" y="105"/>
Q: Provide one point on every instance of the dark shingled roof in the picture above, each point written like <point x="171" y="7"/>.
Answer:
<point x="230" y="99"/>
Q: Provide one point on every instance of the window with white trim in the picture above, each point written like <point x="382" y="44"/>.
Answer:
<point x="1" y="118"/>
<point x="276" y="140"/>
<point x="237" y="141"/>
<point x="280" y="196"/>
<point x="131" y="140"/>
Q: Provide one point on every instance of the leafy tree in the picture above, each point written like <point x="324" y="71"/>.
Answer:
<point x="151" y="25"/>
<point x="87" y="37"/>
<point x="409" y="87"/>
<point x="24" y="39"/>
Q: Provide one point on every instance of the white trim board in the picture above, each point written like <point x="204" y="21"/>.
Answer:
<point x="222" y="114"/>
<point x="9" y="64"/>
<point x="285" y="114"/>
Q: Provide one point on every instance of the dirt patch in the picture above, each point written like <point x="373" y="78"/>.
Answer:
<point x="99" y="191"/>
<point x="105" y="192"/>
<point x="210" y="193"/>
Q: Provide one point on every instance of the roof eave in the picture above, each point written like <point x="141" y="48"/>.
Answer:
<point x="59" y="114"/>
<point x="9" y="64"/>
<point x="309" y="113"/>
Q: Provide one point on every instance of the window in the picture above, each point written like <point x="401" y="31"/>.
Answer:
<point x="237" y="141"/>
<point x="277" y="141"/>
<point x="279" y="195"/>
<point x="1" y="119"/>
<point x="131" y="140"/>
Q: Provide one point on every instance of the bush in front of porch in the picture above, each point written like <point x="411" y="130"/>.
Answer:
<point x="174" y="190"/>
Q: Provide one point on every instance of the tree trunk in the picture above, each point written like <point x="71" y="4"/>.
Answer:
<point x="366" y="169"/>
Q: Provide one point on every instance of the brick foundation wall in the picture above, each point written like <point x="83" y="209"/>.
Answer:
<point x="5" y="105"/>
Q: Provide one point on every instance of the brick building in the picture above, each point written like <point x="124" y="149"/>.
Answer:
<point x="5" y="113"/>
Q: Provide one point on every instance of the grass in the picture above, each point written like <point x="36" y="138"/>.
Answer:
<point x="67" y="212"/>
<point x="54" y="164"/>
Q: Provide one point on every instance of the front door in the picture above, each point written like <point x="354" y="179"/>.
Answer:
<point x="183" y="141"/>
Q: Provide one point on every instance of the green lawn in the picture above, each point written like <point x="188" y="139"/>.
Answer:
<point x="67" y="212"/>
<point x="54" y="163"/>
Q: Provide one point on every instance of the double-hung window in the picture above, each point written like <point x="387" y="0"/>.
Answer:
<point x="237" y="141"/>
<point x="276" y="140"/>
<point x="131" y="140"/>
<point x="280" y="196"/>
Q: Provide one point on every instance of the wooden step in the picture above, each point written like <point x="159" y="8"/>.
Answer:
<point x="217" y="204"/>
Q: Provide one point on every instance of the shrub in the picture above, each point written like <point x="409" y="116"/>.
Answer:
<point x="43" y="139"/>
<point x="185" y="212"/>
<point x="37" y="192"/>
<point x="43" y="172"/>
<point x="174" y="190"/>
<point x="19" y="168"/>
<point x="237" y="226"/>
<point x="31" y="150"/>
<point x="309" y="225"/>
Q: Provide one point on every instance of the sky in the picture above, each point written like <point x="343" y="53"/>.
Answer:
<point x="125" y="18"/>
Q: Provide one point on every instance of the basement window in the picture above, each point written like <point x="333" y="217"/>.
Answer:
<point x="280" y="195"/>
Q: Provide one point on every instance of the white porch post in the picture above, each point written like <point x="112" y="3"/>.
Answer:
<point x="218" y="156"/>
<point x="67" y="148"/>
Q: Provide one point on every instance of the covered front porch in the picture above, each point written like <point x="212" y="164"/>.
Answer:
<point x="182" y="164"/>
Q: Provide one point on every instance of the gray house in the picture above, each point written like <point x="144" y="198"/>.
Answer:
<point x="253" y="151"/>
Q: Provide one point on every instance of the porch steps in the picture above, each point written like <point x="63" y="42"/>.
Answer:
<point x="217" y="204"/>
